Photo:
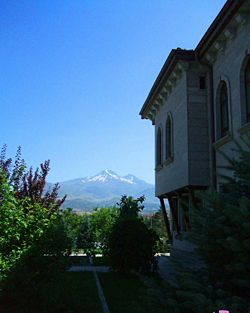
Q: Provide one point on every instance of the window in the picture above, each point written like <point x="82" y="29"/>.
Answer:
<point x="159" y="148"/>
<point x="168" y="138"/>
<point x="247" y="90"/>
<point x="223" y="112"/>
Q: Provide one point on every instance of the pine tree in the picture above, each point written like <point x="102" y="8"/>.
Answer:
<point x="221" y="232"/>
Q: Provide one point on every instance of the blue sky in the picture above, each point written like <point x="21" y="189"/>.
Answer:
<point x="75" y="73"/>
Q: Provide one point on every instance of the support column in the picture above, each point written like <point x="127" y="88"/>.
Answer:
<point x="175" y="217"/>
<point x="192" y="197"/>
<point x="165" y="216"/>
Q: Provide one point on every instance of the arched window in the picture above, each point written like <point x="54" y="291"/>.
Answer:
<point x="168" y="138"/>
<point x="247" y="90"/>
<point x="159" y="148"/>
<point x="223" y="110"/>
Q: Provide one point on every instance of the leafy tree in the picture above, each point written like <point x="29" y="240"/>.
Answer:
<point x="131" y="243"/>
<point x="85" y="239"/>
<point x="26" y="211"/>
<point x="102" y="221"/>
<point x="28" y="184"/>
<point x="73" y="223"/>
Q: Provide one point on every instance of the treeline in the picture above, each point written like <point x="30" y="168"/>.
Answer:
<point x="90" y="232"/>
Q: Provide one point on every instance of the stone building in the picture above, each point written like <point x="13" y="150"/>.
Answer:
<point x="199" y="103"/>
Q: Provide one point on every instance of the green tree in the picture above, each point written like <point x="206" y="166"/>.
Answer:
<point x="73" y="223"/>
<point x="221" y="231"/>
<point x="102" y="221"/>
<point x="131" y="243"/>
<point x="85" y="239"/>
<point x="33" y="236"/>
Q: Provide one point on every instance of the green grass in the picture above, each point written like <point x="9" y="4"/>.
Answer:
<point x="70" y="293"/>
<point x="127" y="294"/>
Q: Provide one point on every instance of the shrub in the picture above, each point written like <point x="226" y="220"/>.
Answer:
<point x="131" y="243"/>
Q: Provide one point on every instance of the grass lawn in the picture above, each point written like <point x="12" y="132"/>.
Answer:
<point x="127" y="294"/>
<point x="71" y="293"/>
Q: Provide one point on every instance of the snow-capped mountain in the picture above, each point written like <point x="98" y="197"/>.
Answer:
<point x="104" y="189"/>
<point x="108" y="175"/>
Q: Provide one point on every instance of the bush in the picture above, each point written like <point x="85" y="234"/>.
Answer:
<point x="131" y="243"/>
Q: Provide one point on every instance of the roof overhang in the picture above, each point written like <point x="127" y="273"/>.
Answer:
<point x="216" y="37"/>
<point x="174" y="64"/>
<point x="219" y="24"/>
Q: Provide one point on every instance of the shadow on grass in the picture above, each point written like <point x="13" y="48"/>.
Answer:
<point x="127" y="293"/>
<point x="69" y="293"/>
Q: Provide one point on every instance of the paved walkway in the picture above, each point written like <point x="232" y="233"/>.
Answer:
<point x="101" y="296"/>
<point x="94" y="269"/>
<point x="89" y="268"/>
<point x="167" y="270"/>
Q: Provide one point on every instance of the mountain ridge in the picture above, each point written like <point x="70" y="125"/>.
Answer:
<point x="105" y="189"/>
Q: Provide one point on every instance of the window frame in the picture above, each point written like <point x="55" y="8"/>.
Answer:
<point x="224" y="110"/>
<point x="223" y="133"/>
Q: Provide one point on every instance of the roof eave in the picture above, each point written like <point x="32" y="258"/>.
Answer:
<point x="174" y="56"/>
<point x="219" y="23"/>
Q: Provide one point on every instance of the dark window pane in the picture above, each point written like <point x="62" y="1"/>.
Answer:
<point x="224" y="119"/>
<point x="247" y="86"/>
<point x="168" y="138"/>
<point x="159" y="148"/>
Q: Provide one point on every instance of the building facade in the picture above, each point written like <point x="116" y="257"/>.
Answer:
<point x="199" y="103"/>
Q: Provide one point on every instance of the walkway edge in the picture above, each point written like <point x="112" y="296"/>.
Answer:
<point x="103" y="301"/>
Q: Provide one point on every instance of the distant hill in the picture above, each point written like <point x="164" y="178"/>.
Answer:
<point x="105" y="189"/>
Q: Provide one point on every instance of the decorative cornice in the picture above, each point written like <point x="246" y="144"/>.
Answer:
<point x="227" y="13"/>
<point x="228" y="25"/>
<point x="172" y="71"/>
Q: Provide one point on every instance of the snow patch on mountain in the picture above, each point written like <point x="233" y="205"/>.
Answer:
<point x="108" y="175"/>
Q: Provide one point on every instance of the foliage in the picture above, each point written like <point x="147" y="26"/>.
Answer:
<point x="26" y="184"/>
<point x="73" y="223"/>
<point x="85" y="239"/>
<point x="156" y="222"/>
<point x="102" y="221"/>
<point x="33" y="236"/>
<point x="42" y="261"/>
<point x="131" y="243"/>
<point x="221" y="232"/>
